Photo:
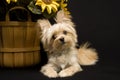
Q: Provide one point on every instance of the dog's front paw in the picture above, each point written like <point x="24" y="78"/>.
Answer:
<point x="65" y="73"/>
<point x="69" y="71"/>
<point x="50" y="73"/>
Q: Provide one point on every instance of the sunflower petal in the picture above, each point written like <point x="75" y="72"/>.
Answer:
<point x="43" y="6"/>
<point x="49" y="9"/>
<point x="68" y="12"/>
<point x="38" y="3"/>
<point x="8" y="1"/>
<point x="14" y="0"/>
<point x="64" y="5"/>
<point x="54" y="8"/>
<point x="55" y="3"/>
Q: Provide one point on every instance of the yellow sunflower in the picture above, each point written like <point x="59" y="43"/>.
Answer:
<point x="50" y="5"/>
<point x="8" y="1"/>
<point x="64" y="5"/>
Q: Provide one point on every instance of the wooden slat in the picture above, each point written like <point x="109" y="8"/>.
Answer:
<point x="8" y="58"/>
<point x="37" y="43"/>
<point x="29" y="42"/>
<point x="1" y="57"/>
<point x="19" y="33"/>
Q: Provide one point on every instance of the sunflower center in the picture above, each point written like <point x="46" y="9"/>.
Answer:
<point x="47" y="1"/>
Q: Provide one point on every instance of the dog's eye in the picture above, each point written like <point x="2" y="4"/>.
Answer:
<point x="65" y="32"/>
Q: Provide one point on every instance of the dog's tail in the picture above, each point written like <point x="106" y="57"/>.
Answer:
<point x="86" y="55"/>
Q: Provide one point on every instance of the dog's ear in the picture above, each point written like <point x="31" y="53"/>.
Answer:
<point x="44" y="24"/>
<point x="63" y="17"/>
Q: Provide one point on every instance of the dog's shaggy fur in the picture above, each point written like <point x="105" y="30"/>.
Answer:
<point x="59" y="41"/>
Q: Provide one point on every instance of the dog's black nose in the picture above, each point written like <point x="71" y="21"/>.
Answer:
<point x="62" y="39"/>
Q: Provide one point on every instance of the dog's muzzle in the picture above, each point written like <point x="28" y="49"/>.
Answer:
<point x="62" y="40"/>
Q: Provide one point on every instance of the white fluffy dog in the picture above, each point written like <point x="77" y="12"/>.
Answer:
<point x="59" y="41"/>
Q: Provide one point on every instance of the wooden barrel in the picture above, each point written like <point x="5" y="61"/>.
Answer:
<point x="19" y="42"/>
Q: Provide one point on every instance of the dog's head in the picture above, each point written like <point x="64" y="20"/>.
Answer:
<point x="60" y="36"/>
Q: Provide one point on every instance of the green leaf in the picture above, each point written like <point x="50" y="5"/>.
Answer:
<point x="33" y="8"/>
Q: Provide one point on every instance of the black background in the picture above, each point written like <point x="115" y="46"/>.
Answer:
<point x="98" y="22"/>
